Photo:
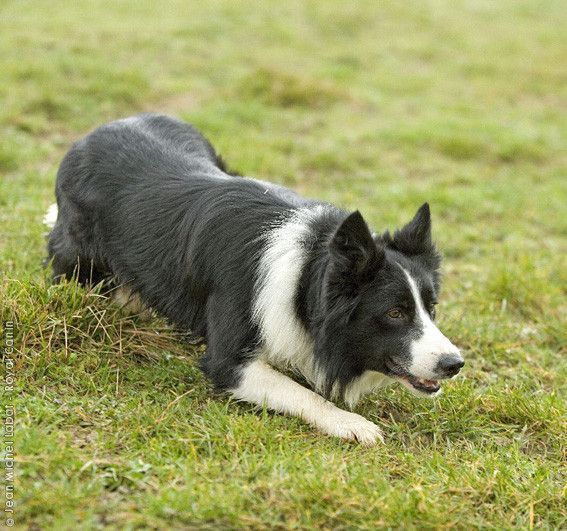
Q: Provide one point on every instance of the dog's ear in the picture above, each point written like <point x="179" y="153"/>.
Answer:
<point x="415" y="237"/>
<point x="354" y="253"/>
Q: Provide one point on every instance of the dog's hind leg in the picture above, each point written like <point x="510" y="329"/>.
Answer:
<point x="262" y="385"/>
<point x="130" y="301"/>
<point x="66" y="258"/>
<point x="70" y="266"/>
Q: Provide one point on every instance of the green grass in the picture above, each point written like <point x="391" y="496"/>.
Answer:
<point x="372" y="105"/>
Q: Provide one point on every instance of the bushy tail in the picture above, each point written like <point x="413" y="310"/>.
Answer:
<point x="50" y="216"/>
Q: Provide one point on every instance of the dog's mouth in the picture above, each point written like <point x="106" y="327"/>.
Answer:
<point x="419" y="384"/>
<point x="423" y="386"/>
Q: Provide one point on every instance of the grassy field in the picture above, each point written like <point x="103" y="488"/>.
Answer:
<point x="373" y="105"/>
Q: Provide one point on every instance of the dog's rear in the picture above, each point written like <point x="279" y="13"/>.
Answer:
<point x="146" y="202"/>
<point x="85" y="187"/>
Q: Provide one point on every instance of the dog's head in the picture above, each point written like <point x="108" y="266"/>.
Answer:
<point x="380" y="298"/>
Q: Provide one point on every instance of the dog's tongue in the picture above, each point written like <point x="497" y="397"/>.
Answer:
<point x="430" y="384"/>
<point x="422" y="383"/>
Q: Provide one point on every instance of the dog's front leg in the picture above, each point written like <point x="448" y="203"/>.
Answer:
<point x="263" y="385"/>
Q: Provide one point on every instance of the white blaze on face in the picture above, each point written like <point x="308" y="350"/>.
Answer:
<point x="427" y="350"/>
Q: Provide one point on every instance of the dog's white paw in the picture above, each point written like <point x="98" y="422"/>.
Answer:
<point x="352" y="427"/>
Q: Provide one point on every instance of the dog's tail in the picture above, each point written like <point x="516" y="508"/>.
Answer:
<point x="50" y="216"/>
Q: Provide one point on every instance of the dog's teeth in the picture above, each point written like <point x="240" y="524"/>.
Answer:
<point x="427" y="383"/>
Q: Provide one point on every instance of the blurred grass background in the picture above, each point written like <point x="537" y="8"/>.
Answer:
<point x="372" y="105"/>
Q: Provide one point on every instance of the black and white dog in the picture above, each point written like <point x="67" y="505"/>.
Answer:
<point x="273" y="282"/>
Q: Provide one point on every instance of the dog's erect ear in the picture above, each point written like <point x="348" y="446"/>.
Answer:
<point x="415" y="237"/>
<point x="354" y="252"/>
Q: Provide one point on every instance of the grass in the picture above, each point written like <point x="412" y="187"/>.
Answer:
<point x="376" y="106"/>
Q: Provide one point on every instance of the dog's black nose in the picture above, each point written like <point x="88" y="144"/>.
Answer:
<point x="450" y="365"/>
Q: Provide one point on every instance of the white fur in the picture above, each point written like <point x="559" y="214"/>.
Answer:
<point x="428" y="349"/>
<point x="50" y="216"/>
<point x="364" y="384"/>
<point x="287" y="344"/>
<point x="130" y="301"/>
<point x="123" y="295"/>
<point x="262" y="385"/>
<point x="133" y="120"/>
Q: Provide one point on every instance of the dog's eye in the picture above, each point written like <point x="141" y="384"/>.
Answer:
<point x="395" y="313"/>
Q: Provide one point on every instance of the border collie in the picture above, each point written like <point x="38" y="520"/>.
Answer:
<point x="276" y="284"/>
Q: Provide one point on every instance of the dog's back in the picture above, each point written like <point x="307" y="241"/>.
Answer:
<point x="146" y="201"/>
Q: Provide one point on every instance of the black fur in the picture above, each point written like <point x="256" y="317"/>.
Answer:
<point x="345" y="293"/>
<point x="147" y="202"/>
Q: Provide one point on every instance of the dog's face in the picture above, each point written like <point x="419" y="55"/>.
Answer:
<point x="386" y="288"/>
